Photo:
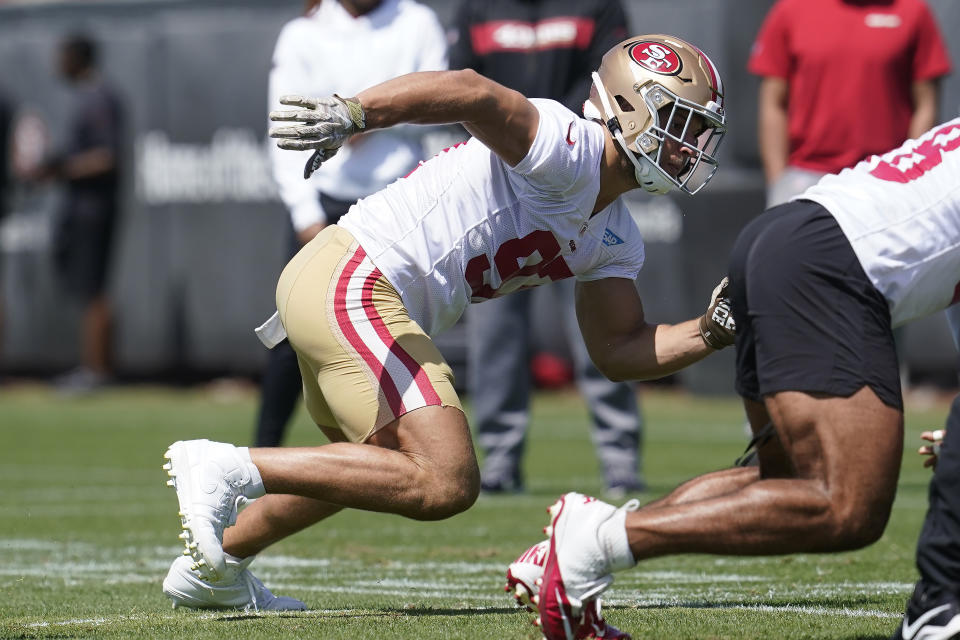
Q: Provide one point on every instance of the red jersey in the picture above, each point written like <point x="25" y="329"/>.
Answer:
<point x="849" y="67"/>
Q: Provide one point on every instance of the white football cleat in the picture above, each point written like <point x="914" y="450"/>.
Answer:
<point x="523" y="578"/>
<point x="213" y="483"/>
<point x="577" y="569"/>
<point x="241" y="589"/>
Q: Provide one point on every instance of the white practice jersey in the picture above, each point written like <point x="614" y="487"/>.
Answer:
<point x="466" y="227"/>
<point x="901" y="213"/>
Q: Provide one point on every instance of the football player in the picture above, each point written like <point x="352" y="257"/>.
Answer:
<point x="532" y="197"/>
<point x="816" y="286"/>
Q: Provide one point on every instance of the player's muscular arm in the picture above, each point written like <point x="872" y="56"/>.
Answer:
<point x="504" y="120"/>
<point x="501" y="118"/>
<point x="621" y="342"/>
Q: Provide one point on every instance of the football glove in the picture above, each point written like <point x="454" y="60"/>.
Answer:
<point x="324" y="124"/>
<point x="717" y="327"/>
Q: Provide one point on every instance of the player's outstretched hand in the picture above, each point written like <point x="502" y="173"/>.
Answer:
<point x="932" y="450"/>
<point x="322" y="124"/>
<point x="717" y="327"/>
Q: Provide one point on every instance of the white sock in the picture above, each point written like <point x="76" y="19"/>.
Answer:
<point x="612" y="535"/>
<point x="255" y="489"/>
<point x="237" y="560"/>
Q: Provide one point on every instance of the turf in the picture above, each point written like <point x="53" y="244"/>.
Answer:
<point x="87" y="530"/>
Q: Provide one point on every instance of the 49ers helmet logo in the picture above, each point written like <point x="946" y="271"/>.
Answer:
<point x="656" y="57"/>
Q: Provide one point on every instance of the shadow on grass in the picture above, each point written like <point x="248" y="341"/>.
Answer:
<point x="441" y="611"/>
<point x="382" y="613"/>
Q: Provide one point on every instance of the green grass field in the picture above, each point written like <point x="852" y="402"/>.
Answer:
<point x="87" y="530"/>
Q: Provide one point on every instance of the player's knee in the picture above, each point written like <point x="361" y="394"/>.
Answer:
<point x="850" y="535"/>
<point x="861" y="524"/>
<point x="446" y="494"/>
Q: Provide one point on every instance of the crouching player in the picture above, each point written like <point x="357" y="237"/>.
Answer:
<point x="816" y="286"/>
<point x="532" y="197"/>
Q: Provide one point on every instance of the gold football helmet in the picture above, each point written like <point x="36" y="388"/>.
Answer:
<point x="654" y="88"/>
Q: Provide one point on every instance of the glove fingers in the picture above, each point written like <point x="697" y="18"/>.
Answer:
<point x="299" y="145"/>
<point x="285" y="132"/>
<point x="301" y="131"/>
<point x="298" y="101"/>
<point x="285" y="115"/>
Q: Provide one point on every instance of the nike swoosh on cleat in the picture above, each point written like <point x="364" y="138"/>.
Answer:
<point x="910" y="630"/>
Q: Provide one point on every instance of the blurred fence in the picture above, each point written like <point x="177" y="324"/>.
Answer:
<point x="202" y="238"/>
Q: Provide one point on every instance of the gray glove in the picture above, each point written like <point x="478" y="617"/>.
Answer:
<point x="717" y="327"/>
<point x="326" y="125"/>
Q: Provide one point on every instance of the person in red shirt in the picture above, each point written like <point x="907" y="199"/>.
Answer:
<point x="842" y="80"/>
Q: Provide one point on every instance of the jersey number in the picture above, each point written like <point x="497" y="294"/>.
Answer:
<point x="909" y="166"/>
<point x="513" y="262"/>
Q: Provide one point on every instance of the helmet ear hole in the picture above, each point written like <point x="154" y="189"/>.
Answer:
<point x="623" y="103"/>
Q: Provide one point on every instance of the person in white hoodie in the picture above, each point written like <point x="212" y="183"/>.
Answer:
<point x="342" y="45"/>
<point x="381" y="39"/>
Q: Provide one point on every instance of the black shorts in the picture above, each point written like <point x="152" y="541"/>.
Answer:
<point x="83" y="243"/>
<point x="808" y="318"/>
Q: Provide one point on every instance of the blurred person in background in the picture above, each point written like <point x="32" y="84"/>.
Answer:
<point x="6" y="124"/>
<point x="842" y="80"/>
<point x="545" y="49"/>
<point x="84" y="226"/>
<point x="340" y="45"/>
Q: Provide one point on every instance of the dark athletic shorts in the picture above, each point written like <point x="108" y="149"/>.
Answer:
<point x="808" y="318"/>
<point x="83" y="243"/>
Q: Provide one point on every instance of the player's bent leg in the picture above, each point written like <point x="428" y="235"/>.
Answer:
<point x="850" y="449"/>
<point x="844" y="456"/>
<point x="441" y="477"/>
<point x="710" y="485"/>
<point x="272" y="518"/>
<point x="422" y="466"/>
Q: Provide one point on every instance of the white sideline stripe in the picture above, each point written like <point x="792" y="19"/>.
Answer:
<point x="820" y="611"/>
<point x="691" y="577"/>
<point x="844" y="612"/>
<point x="73" y="510"/>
